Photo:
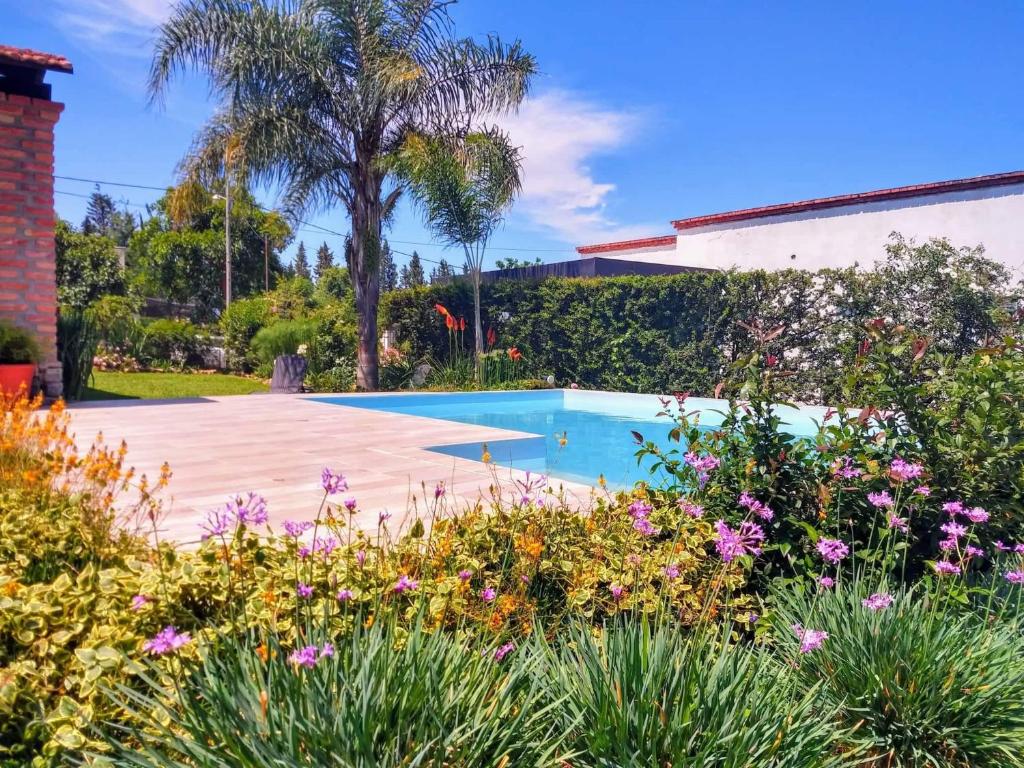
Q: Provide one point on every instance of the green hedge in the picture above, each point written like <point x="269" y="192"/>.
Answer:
<point x="678" y="332"/>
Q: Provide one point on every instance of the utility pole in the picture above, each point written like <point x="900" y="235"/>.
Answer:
<point x="266" y="262"/>
<point x="227" y="232"/>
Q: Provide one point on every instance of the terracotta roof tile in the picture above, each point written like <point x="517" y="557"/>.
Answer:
<point x="623" y="245"/>
<point x="29" y="58"/>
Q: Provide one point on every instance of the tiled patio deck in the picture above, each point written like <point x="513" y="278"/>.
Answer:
<point x="278" y="444"/>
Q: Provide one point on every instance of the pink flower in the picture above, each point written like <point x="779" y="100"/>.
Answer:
<point x="826" y="582"/>
<point x="405" y="584"/>
<point x="644" y="526"/>
<point x="944" y="567"/>
<point x="344" y="595"/>
<point x="251" y="510"/>
<point x="953" y="507"/>
<point x="305" y="657"/>
<point x="139" y="602"/>
<point x="832" y="550"/>
<point x="383" y="518"/>
<point x="617" y="591"/>
<point x="639" y="509"/>
<point x="971" y="551"/>
<point x="294" y="529"/>
<point x="901" y="470"/>
<point x="1015" y="577"/>
<point x="760" y="509"/>
<point x="671" y="571"/>
<point x="898" y="522"/>
<point x="845" y="469"/>
<point x="877" y="601"/>
<point x="303" y="590"/>
<point x="810" y="639"/>
<point x="361" y="557"/>
<point x="350" y="504"/>
<point x="333" y="482"/>
<point x="439" y="490"/>
<point x="976" y="515"/>
<point x="732" y="544"/>
<point x="165" y="641"/>
<point x="465" y="575"/>
<point x="218" y="522"/>
<point x="504" y="651"/>
<point x="690" y="508"/>
<point x="923" y="490"/>
<point x="488" y="594"/>
<point x="881" y="499"/>
<point x="953" y="530"/>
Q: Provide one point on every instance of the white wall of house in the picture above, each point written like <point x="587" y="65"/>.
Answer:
<point x="853" y="234"/>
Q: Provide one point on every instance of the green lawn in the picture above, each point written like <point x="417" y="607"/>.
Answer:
<point x="109" y="385"/>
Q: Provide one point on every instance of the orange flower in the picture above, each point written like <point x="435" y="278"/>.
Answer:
<point x="449" y="321"/>
<point x="441" y="309"/>
<point x="492" y="337"/>
<point x="514" y="354"/>
<point x="462" y="323"/>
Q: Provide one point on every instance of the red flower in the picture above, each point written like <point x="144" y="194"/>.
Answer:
<point x="449" y="321"/>
<point x="771" y="360"/>
<point x="492" y="337"/>
<point x="514" y="354"/>
<point x="441" y="309"/>
<point x="462" y="323"/>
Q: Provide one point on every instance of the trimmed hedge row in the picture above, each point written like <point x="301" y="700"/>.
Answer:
<point x="678" y="332"/>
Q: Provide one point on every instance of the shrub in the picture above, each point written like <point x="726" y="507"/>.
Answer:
<point x="918" y="683"/>
<point x="281" y="338"/>
<point x="428" y="700"/>
<point x="397" y="369"/>
<point x="639" y="695"/>
<point x="117" y="322"/>
<point x="292" y="298"/>
<point x="239" y="323"/>
<point x="87" y="266"/>
<point x="170" y="342"/>
<point x="77" y="339"/>
<point x="331" y="349"/>
<point x="16" y="344"/>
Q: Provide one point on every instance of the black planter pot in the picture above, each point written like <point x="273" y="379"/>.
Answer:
<point x="289" y="372"/>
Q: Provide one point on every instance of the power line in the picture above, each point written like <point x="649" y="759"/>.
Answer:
<point x="309" y="224"/>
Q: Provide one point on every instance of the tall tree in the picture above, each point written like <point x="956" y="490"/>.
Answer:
<point x="412" y="274"/>
<point x="301" y="261"/>
<point x="388" y="270"/>
<point x="103" y="218"/>
<point x="319" y="93"/>
<point x="463" y="186"/>
<point x="442" y="273"/>
<point x="324" y="260"/>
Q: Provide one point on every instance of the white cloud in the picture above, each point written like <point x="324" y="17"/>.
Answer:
<point x="560" y="133"/>
<point x="120" y="26"/>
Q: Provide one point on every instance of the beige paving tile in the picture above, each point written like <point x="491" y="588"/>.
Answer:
<point x="278" y="444"/>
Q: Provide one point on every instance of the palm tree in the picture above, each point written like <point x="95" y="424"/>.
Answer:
<point x="464" y="185"/>
<point x="318" y="94"/>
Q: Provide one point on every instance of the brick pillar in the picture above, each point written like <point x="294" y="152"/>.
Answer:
<point x="28" y="275"/>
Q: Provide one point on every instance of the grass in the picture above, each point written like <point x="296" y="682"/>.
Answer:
<point x="112" y="385"/>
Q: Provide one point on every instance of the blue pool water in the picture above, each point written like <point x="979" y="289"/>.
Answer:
<point x="576" y="435"/>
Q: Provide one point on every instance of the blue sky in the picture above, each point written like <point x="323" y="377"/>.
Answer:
<point x="643" y="112"/>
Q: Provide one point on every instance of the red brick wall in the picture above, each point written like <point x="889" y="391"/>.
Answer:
<point x="28" y="285"/>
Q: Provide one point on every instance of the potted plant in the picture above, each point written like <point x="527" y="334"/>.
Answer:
<point x="19" y="354"/>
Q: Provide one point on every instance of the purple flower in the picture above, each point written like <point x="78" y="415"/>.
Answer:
<point x="350" y="504"/>
<point x="752" y="618"/>
<point x="218" y="522"/>
<point x="383" y="517"/>
<point x="690" y="508"/>
<point x="845" y="469"/>
<point x="832" y="550"/>
<point x="1000" y="546"/>
<point x="639" y="509"/>
<point x="504" y="651"/>
<point x="488" y="594"/>
<point x="344" y="595"/>
<point x="944" y="567"/>
<point x="465" y="575"/>
<point x="325" y="546"/>
<point x="327" y="651"/>
<point x="898" y="522"/>
<point x="252" y="510"/>
<point x="976" y="515"/>
<point x="732" y="544"/>
<point x="972" y="551"/>
<point x="617" y="591"/>
<point x="810" y="639"/>
<point x="826" y="582"/>
<point x="901" y="470"/>
<point x="139" y="602"/>
<point x="1015" y="577"/>
<point x="305" y="657"/>
<point x="877" y="601"/>
<point x="881" y="499"/>
<point x="439" y="490"/>
<point x="304" y="551"/>
<point x="333" y="482"/>
<point x="361" y="557"/>
<point x="643" y="525"/>
<point x="294" y="529"/>
<point x="923" y="490"/>
<point x="166" y="640"/>
<point x="405" y="584"/>
<point x="758" y="508"/>
<point x="671" y="572"/>
<point x="948" y="545"/>
<point x="953" y="507"/>
<point x="303" y="590"/>
<point x="954" y="530"/>
<point x="1019" y="549"/>
<point x="705" y="463"/>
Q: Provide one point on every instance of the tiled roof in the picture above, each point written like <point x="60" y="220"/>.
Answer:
<point x="896" y="193"/>
<point x="28" y="58"/>
<point x="625" y="245"/>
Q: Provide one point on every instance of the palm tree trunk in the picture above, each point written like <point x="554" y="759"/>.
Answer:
<point x="365" y="276"/>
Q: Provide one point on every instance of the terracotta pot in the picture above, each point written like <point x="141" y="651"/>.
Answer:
<point x="14" y="376"/>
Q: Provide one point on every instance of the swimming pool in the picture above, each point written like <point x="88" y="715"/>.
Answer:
<point x="577" y="434"/>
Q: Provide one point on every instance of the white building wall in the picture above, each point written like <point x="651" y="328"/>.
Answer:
<point x="856" y="234"/>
